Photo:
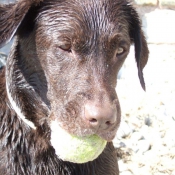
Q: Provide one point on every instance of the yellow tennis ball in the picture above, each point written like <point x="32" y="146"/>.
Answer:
<point x="73" y="148"/>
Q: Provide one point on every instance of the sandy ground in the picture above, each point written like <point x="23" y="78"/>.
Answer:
<point x="146" y="138"/>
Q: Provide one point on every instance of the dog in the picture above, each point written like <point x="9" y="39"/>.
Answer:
<point x="62" y="69"/>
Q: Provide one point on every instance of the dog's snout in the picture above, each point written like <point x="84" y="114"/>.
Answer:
<point x="100" y="117"/>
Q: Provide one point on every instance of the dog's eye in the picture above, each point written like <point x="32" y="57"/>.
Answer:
<point x="120" y="51"/>
<point x="66" y="47"/>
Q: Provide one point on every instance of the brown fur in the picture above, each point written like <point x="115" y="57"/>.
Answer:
<point x="63" y="62"/>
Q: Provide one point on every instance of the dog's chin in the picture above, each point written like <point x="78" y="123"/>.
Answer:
<point x="108" y="136"/>
<point x="56" y="127"/>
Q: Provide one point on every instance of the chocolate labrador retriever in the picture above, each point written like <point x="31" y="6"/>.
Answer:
<point x="63" y="68"/>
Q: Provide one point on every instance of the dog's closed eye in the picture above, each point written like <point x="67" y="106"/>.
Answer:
<point x="64" y="44"/>
<point x="65" y="47"/>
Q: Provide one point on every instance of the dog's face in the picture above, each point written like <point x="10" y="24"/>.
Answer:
<point x="84" y="51"/>
<point x="80" y="46"/>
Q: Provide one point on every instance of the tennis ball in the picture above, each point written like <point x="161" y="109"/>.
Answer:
<point x="73" y="148"/>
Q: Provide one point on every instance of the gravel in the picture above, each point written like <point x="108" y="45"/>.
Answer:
<point x="145" y="138"/>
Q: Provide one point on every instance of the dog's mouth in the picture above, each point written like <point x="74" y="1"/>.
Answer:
<point x="83" y="130"/>
<point x="72" y="148"/>
<point x="71" y="117"/>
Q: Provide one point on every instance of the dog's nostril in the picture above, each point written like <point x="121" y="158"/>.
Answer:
<point x="96" y="122"/>
<point x="93" y="120"/>
<point x="108" y="123"/>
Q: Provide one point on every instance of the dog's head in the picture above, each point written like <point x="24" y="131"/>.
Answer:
<point x="67" y="56"/>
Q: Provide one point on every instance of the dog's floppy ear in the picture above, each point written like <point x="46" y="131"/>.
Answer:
<point x="138" y="38"/>
<point x="11" y="16"/>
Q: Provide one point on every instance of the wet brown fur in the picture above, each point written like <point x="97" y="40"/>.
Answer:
<point x="49" y="80"/>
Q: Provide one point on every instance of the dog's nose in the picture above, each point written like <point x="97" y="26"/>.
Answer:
<point x="100" y="117"/>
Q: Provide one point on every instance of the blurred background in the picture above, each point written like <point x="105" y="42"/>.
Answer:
<point x="6" y="1"/>
<point x="146" y="137"/>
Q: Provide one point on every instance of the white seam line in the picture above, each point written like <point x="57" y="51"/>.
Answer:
<point x="17" y="109"/>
